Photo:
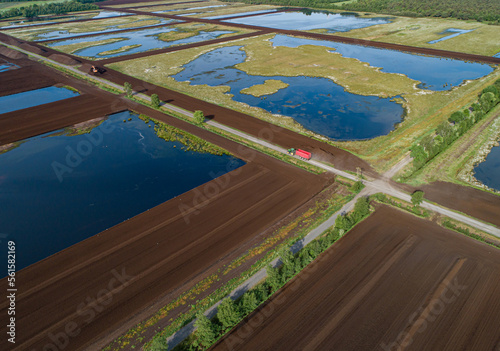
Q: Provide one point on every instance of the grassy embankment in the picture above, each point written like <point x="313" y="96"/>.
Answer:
<point x="483" y="40"/>
<point x="425" y="109"/>
<point x="269" y="87"/>
<point x="457" y="162"/>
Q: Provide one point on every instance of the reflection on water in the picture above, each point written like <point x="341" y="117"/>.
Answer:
<point x="33" y="98"/>
<point x="309" y="20"/>
<point x="56" y="34"/>
<point x="141" y="40"/>
<point x="318" y="104"/>
<point x="58" y="190"/>
<point x="434" y="73"/>
<point x="488" y="171"/>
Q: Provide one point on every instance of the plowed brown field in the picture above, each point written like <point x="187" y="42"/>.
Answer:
<point x="395" y="282"/>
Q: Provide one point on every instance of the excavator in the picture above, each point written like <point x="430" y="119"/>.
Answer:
<point x="97" y="70"/>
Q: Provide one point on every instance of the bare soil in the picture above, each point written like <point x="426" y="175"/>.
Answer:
<point x="95" y="290"/>
<point x="395" y="282"/>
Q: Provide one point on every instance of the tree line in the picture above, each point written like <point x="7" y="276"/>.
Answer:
<point x="230" y="312"/>
<point x="479" y="10"/>
<point x="457" y="125"/>
<point x="35" y="10"/>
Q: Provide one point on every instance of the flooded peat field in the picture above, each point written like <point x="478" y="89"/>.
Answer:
<point x="488" y="171"/>
<point x="312" y="20"/>
<point x="65" y="186"/>
<point x="321" y="105"/>
<point x="32" y="98"/>
<point x="133" y="42"/>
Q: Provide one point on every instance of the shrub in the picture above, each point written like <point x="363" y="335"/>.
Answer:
<point x="417" y="197"/>
<point x="199" y="117"/>
<point x="155" y="101"/>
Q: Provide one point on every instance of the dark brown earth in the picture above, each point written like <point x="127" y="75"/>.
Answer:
<point x="396" y="282"/>
<point x="163" y="251"/>
<point x="476" y="203"/>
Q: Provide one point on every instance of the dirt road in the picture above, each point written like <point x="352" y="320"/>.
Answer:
<point x="395" y="282"/>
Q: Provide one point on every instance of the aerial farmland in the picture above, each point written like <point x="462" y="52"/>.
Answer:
<point x="252" y="175"/>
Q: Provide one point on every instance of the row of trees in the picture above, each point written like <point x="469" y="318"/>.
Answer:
<point x="303" y="3"/>
<point x="457" y="125"/>
<point x="479" y="10"/>
<point x="36" y="10"/>
<point x="231" y="312"/>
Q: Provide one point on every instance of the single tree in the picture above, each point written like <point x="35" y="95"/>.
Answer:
<point x="199" y="117"/>
<point x="155" y="101"/>
<point x="204" y="331"/>
<point x="128" y="89"/>
<point x="417" y="197"/>
<point x="227" y="314"/>
<point x="248" y="303"/>
<point x="273" y="278"/>
<point x="356" y="187"/>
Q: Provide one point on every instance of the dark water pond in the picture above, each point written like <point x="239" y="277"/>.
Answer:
<point x="147" y="39"/>
<point x="33" y="98"/>
<point x="488" y="171"/>
<point x="318" y="104"/>
<point x="307" y="20"/>
<point x="434" y="73"/>
<point x="57" y="190"/>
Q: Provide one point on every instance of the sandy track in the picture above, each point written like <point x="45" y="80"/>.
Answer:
<point x="394" y="281"/>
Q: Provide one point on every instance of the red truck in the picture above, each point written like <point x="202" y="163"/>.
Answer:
<point x="301" y="153"/>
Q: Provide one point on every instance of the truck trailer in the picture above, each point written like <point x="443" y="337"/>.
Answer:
<point x="305" y="155"/>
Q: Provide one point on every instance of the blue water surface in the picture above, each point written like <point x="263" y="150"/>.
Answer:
<point x="488" y="171"/>
<point x="33" y="98"/>
<point x="146" y="38"/>
<point x="57" y="34"/>
<point x="116" y="172"/>
<point x="318" y="104"/>
<point x="302" y="20"/>
<point x="240" y="14"/>
<point x="7" y="66"/>
<point x="434" y="73"/>
<point x="456" y="32"/>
